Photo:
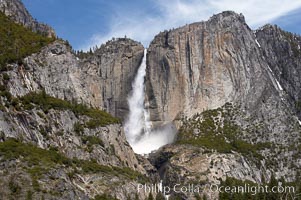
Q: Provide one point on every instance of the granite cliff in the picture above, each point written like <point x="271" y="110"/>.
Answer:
<point x="203" y="65"/>
<point x="233" y="93"/>
<point x="101" y="80"/>
<point x="229" y="90"/>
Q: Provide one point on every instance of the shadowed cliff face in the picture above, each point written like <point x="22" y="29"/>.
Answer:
<point x="281" y="50"/>
<point x="109" y="74"/>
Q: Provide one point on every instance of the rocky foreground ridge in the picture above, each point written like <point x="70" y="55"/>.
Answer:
<point x="233" y="93"/>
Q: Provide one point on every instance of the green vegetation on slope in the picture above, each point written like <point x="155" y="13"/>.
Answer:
<point x="293" y="41"/>
<point x="216" y="129"/>
<point x="13" y="149"/>
<point x="298" y="106"/>
<point x="17" y="42"/>
<point x="90" y="141"/>
<point x="46" y="102"/>
<point x="104" y="197"/>
<point x="39" y="161"/>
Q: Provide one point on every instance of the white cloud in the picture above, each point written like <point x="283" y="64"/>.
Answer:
<point x="144" y="26"/>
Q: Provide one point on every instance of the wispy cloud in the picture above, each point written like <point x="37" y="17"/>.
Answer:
<point x="171" y="14"/>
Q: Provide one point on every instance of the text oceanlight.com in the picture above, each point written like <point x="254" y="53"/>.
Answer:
<point x="191" y="188"/>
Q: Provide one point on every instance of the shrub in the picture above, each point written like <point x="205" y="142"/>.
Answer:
<point x="92" y="140"/>
<point x="29" y="195"/>
<point x="78" y="128"/>
<point x="5" y="77"/>
<point x="14" y="187"/>
<point x="104" y="197"/>
<point x="298" y="106"/>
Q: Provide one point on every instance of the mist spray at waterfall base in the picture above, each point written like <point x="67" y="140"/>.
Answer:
<point x="154" y="140"/>
<point x="138" y="128"/>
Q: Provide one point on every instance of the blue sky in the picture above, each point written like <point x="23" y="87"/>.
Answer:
<point x="92" y="22"/>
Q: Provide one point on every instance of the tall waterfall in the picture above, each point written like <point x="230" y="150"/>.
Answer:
<point x="137" y="123"/>
<point x="138" y="131"/>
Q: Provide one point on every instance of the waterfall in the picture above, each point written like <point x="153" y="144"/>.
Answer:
<point x="137" y="127"/>
<point x="137" y="124"/>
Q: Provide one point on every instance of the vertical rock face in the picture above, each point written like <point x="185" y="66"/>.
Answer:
<point x="18" y="13"/>
<point x="204" y="65"/>
<point x="282" y="52"/>
<point x="109" y="73"/>
<point x="101" y="80"/>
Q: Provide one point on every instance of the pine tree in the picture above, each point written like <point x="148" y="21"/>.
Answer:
<point x="273" y="183"/>
<point x="160" y="196"/>
<point x="150" y="197"/>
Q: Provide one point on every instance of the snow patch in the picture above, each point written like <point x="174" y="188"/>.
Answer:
<point x="27" y="82"/>
<point x="299" y="122"/>
<point x="279" y="86"/>
<point x="257" y="43"/>
<point x="52" y="54"/>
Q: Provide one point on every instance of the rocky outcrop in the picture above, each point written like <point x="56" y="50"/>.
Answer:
<point x="281" y="50"/>
<point x="185" y="164"/>
<point x="57" y="129"/>
<point x="212" y="146"/>
<point x="102" y="80"/>
<point x="18" y="13"/>
<point x="98" y="157"/>
<point x="63" y="182"/>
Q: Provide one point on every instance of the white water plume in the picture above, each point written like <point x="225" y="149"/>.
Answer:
<point x="138" y="127"/>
